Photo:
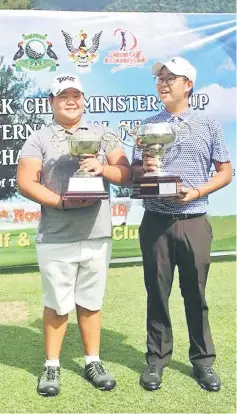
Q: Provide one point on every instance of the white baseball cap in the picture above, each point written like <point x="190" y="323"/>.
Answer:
<point x="65" y="81"/>
<point x="178" y="66"/>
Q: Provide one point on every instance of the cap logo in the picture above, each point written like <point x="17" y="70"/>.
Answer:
<point x="173" y="60"/>
<point x="65" y="78"/>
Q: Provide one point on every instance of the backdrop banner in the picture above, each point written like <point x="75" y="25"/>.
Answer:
<point x="112" y="53"/>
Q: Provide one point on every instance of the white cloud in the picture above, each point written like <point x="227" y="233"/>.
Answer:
<point x="222" y="102"/>
<point x="228" y="64"/>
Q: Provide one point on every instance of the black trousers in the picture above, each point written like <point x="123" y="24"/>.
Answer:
<point x="166" y="243"/>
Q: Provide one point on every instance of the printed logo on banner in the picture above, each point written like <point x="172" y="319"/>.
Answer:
<point x="82" y="48"/>
<point x="35" y="53"/>
<point x="128" y="55"/>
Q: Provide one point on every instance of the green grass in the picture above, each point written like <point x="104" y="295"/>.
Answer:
<point x="122" y="350"/>
<point x="224" y="238"/>
<point x="16" y="255"/>
<point x="224" y="233"/>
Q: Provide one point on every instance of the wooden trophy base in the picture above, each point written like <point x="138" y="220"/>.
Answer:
<point x="77" y="195"/>
<point x="156" y="187"/>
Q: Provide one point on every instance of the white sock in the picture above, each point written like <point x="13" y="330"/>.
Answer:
<point x="52" y="363"/>
<point x="91" y="358"/>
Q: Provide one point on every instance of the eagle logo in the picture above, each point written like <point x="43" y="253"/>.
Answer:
<point x="82" y="49"/>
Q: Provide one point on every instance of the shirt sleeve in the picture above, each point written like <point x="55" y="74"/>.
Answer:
<point x="137" y="156"/>
<point x="220" y="151"/>
<point x="110" y="141"/>
<point x="32" y="148"/>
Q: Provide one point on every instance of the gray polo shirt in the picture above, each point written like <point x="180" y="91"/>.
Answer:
<point x="50" y="145"/>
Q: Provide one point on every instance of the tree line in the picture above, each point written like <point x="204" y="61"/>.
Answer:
<point x="172" y="6"/>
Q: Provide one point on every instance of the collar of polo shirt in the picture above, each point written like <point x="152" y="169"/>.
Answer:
<point x="58" y="127"/>
<point x="183" y="115"/>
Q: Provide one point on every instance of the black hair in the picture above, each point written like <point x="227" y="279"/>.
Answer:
<point x="51" y="97"/>
<point x="190" y="93"/>
<point x="191" y="90"/>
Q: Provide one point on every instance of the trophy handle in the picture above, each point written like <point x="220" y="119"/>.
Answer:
<point x="133" y="132"/>
<point x="178" y="127"/>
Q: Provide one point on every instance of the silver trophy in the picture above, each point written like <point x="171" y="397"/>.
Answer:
<point x="82" y="144"/>
<point x="155" y="139"/>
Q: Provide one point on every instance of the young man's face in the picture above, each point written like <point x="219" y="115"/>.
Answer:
<point x="68" y="106"/>
<point x="172" y="88"/>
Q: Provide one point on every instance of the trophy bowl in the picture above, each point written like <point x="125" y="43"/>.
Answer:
<point x="82" y="144"/>
<point x="79" y="147"/>
<point x="153" y="134"/>
<point x="155" y="139"/>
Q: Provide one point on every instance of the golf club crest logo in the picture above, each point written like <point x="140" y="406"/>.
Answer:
<point x="35" y="53"/>
<point x="128" y="55"/>
<point x="83" y="49"/>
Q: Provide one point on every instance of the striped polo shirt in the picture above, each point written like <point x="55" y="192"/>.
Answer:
<point x="196" y="147"/>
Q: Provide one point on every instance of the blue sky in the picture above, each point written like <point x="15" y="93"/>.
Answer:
<point x="207" y="41"/>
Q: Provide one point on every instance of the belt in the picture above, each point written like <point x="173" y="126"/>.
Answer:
<point x="175" y="216"/>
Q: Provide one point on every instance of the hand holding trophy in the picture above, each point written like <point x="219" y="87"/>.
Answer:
<point x="84" y="143"/>
<point x="154" y="139"/>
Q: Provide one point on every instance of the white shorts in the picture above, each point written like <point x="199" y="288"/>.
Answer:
<point x="74" y="273"/>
